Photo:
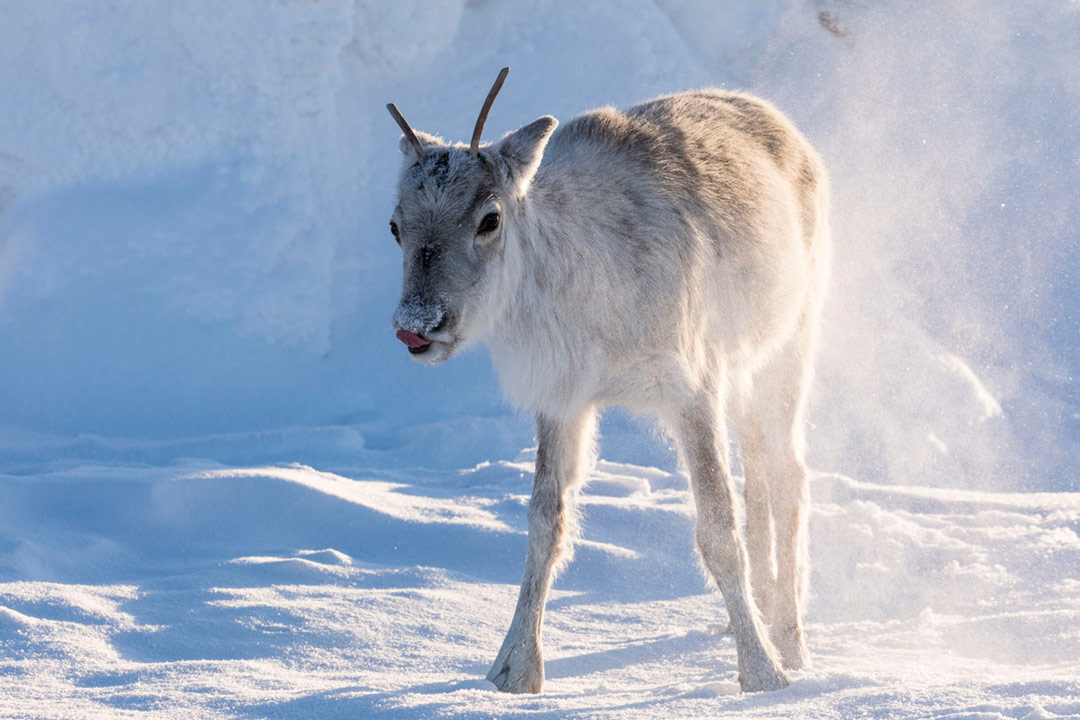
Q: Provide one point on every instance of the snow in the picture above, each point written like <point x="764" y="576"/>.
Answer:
<point x="384" y="597"/>
<point x="226" y="491"/>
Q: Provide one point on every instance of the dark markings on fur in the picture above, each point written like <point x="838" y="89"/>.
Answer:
<point x="755" y="121"/>
<point x="807" y="186"/>
<point x="546" y="439"/>
<point x="753" y="118"/>
<point x="437" y="169"/>
<point x="481" y="196"/>
<point x="749" y="116"/>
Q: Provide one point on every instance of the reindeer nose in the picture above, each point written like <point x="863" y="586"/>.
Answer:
<point x="411" y="339"/>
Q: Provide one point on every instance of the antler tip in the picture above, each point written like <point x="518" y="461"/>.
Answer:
<point x="474" y="146"/>
<point x="417" y="146"/>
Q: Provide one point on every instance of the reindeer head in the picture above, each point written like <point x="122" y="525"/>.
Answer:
<point x="455" y="206"/>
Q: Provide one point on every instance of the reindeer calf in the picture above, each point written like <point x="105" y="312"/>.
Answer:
<point x="670" y="258"/>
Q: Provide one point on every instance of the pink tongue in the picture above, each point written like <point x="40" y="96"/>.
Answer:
<point x="412" y="339"/>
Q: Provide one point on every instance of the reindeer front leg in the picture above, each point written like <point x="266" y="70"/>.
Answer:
<point x="562" y="459"/>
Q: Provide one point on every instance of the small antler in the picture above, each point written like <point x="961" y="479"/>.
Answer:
<point x="475" y="145"/>
<point x="419" y="148"/>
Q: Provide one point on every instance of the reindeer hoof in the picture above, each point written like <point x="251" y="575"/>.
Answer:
<point x="517" y="671"/>
<point x="763" y="678"/>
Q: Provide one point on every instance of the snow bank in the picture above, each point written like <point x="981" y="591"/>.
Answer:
<point x="193" y="202"/>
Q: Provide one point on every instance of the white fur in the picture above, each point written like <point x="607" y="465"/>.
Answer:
<point x="672" y="259"/>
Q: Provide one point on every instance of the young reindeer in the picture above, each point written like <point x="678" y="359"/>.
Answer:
<point x="670" y="258"/>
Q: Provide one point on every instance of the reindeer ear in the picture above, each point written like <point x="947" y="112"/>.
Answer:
<point x="523" y="149"/>
<point x="425" y="140"/>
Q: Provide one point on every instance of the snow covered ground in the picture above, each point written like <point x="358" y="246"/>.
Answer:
<point x="287" y="592"/>
<point x="225" y="491"/>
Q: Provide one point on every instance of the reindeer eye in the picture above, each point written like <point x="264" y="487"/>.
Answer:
<point x="394" y="231"/>
<point x="489" y="223"/>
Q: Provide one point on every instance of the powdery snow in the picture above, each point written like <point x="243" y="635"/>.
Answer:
<point x="226" y="491"/>
<point x="291" y="592"/>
